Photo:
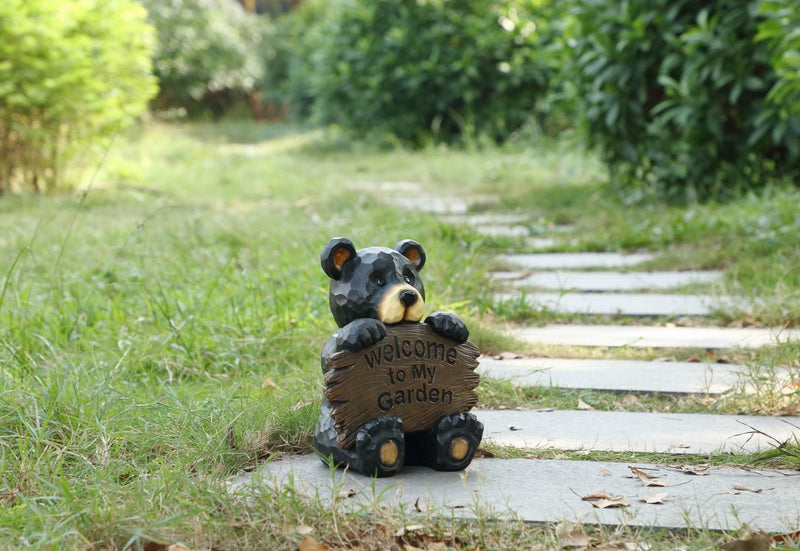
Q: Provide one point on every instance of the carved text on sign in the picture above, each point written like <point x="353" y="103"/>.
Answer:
<point x="412" y="373"/>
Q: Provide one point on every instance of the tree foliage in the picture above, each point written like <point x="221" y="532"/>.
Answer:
<point x="674" y="93"/>
<point x="71" y="73"/>
<point x="207" y="55"/>
<point x="428" y="68"/>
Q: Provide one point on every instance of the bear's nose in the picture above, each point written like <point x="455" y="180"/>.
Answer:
<point x="408" y="298"/>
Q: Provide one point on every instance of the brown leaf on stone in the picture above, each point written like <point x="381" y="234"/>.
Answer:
<point x="583" y="406"/>
<point x="739" y="488"/>
<point x="482" y="453"/>
<point x="507" y="356"/>
<point x="654" y="499"/>
<point x="349" y="492"/>
<point x="604" y="472"/>
<point x="646" y="479"/>
<point x="514" y="427"/>
<point x="750" y="541"/>
<point x="699" y="470"/>
<point x="602" y="494"/>
<point x="788" y="537"/>
<point x="618" y="501"/>
<point x="310" y="544"/>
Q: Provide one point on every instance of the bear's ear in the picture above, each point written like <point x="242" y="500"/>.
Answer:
<point x="413" y="251"/>
<point x="335" y="254"/>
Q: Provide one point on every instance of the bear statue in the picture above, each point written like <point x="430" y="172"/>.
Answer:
<point x="371" y="288"/>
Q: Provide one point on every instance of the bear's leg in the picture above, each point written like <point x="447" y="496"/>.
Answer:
<point x="452" y="442"/>
<point x="379" y="449"/>
<point x="380" y="446"/>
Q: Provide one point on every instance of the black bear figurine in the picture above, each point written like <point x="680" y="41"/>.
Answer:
<point x="369" y="289"/>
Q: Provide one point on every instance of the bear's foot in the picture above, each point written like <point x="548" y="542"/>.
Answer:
<point x="453" y="442"/>
<point x="380" y="447"/>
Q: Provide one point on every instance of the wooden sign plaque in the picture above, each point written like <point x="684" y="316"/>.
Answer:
<point x="412" y="373"/>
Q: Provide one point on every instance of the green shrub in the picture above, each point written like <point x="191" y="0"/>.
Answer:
<point x="781" y="29"/>
<point x="71" y="73"/>
<point x="674" y="94"/>
<point x="208" y="53"/>
<point x="434" y="68"/>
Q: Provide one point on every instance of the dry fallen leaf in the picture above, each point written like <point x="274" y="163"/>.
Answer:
<point x="574" y="538"/>
<point x="514" y="427"/>
<point x="618" y="501"/>
<point x="604" y="472"/>
<point x="269" y="382"/>
<point x="350" y="492"/>
<point x="699" y="470"/>
<point x="750" y="541"/>
<point x="304" y="529"/>
<point x="408" y="529"/>
<point x="583" y="405"/>
<point x="598" y="495"/>
<point x="654" y="498"/>
<point x="507" y="356"/>
<point x="482" y="453"/>
<point x="310" y="544"/>
<point x="646" y="479"/>
<point x="178" y="547"/>
<point x="739" y="488"/>
<point x="421" y="507"/>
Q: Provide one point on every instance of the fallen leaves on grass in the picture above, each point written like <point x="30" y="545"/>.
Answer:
<point x="646" y="479"/>
<point x="750" y="541"/>
<point x="482" y="453"/>
<point x="583" y="406"/>
<point x="310" y="544"/>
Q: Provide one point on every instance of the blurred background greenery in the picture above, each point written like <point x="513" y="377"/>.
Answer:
<point x="683" y="100"/>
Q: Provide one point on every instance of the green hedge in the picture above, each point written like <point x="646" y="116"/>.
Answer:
<point x="71" y="73"/>
<point x="423" y="70"/>
<point x="674" y="94"/>
<point x="208" y="55"/>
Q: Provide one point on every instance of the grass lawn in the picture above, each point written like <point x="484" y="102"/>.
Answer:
<point x="161" y="332"/>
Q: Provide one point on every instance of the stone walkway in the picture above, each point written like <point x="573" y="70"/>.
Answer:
<point x="552" y="490"/>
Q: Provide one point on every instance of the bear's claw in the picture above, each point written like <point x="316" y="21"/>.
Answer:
<point x="380" y="447"/>
<point x="453" y="442"/>
<point x="360" y="334"/>
<point x="448" y="325"/>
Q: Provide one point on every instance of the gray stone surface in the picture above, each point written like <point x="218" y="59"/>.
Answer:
<point x="388" y="187"/>
<point x="553" y="261"/>
<point x="655" y="337"/>
<point x="623" y="375"/>
<point x="503" y="231"/>
<point x="606" y="281"/>
<point x="551" y="491"/>
<point x="692" y="433"/>
<point x="542" y="242"/>
<point x="483" y="219"/>
<point x="625" y="304"/>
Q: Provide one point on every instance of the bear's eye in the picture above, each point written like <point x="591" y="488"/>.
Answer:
<point x="408" y="277"/>
<point x="378" y="279"/>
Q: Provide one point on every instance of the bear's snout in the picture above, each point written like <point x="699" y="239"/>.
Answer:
<point x="408" y="297"/>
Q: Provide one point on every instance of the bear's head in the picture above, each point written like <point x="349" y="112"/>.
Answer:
<point x="376" y="282"/>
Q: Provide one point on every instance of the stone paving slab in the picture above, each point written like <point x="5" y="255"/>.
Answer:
<point x="627" y="431"/>
<point x="553" y="261"/>
<point x="624" y="304"/>
<point x="551" y="491"/>
<point x="503" y="231"/>
<point x="607" y="281"/>
<point x="484" y="219"/>
<point x="621" y="375"/>
<point x="655" y="337"/>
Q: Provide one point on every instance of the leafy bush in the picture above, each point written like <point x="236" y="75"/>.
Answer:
<point x="781" y="29"/>
<point x="208" y="53"/>
<point x="71" y="72"/>
<point x="441" y="68"/>
<point x="674" y="94"/>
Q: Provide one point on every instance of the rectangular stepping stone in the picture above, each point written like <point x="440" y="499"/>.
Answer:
<point x="550" y="491"/>
<point x="484" y="219"/>
<point x="626" y="431"/>
<point x="656" y="337"/>
<point x="554" y="261"/>
<point x="607" y="281"/>
<point x="621" y="375"/>
<point x="503" y="231"/>
<point x="624" y="304"/>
